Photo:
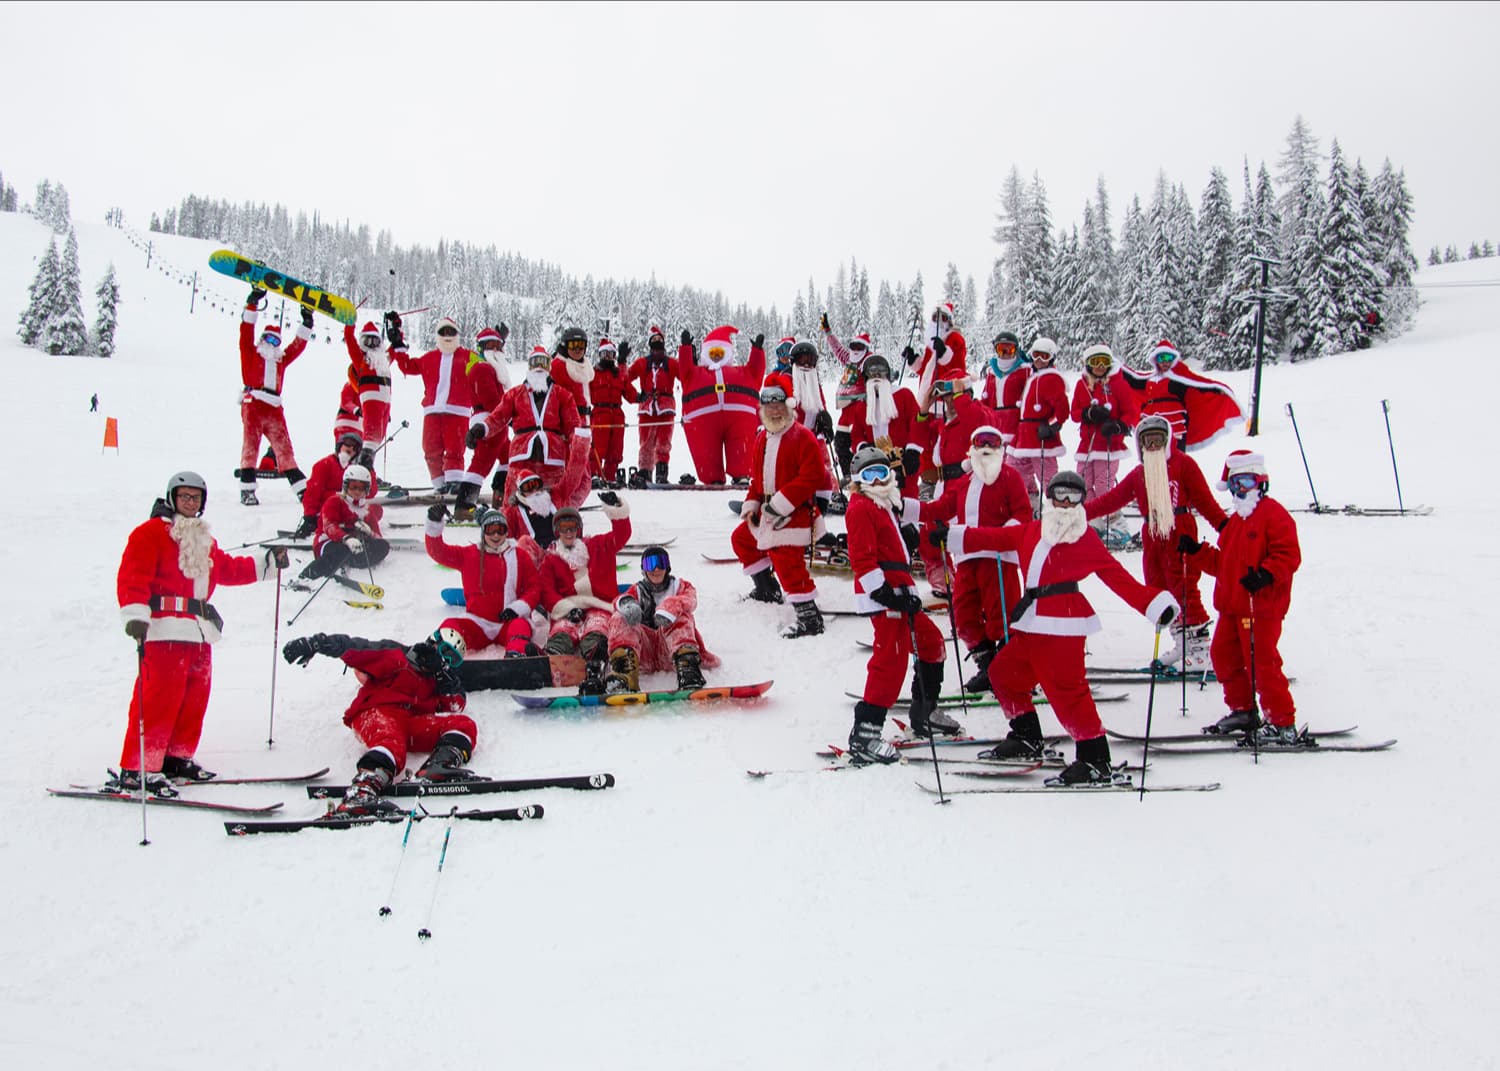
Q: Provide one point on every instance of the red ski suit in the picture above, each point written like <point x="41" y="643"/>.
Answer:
<point x="878" y="555"/>
<point x="372" y="376"/>
<point x="347" y="421"/>
<point x="261" y="414"/>
<point x="654" y="381"/>
<point x="930" y="368"/>
<point x="610" y="389"/>
<point x="397" y="708"/>
<point x="176" y="671"/>
<point x="1267" y="539"/>
<point x="337" y="519"/>
<point x="492" y="583"/>
<point x="446" y="405"/>
<point x="1044" y="402"/>
<point x="1047" y="639"/>
<point x="786" y="470"/>
<point x="720" y="411"/>
<point x="546" y="437"/>
<point x="325" y="481"/>
<point x="595" y="596"/>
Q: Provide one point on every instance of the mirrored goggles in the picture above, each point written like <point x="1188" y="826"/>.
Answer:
<point x="1005" y="349"/>
<point x="651" y="562"/>
<point x="1067" y="496"/>
<point x="876" y="473"/>
<point x="447" y="332"/>
<point x="568" y="528"/>
<point x="530" y="485"/>
<point x="271" y="338"/>
<point x="577" y="344"/>
<point x="1242" y="483"/>
<point x="987" y="440"/>
<point x="772" y="395"/>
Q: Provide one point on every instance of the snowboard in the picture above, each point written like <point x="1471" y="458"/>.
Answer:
<point x="254" y="273"/>
<point x="455" y="596"/>
<point x="542" y="671"/>
<point x="630" y="699"/>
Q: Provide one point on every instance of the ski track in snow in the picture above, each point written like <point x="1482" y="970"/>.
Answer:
<point x="1328" y="911"/>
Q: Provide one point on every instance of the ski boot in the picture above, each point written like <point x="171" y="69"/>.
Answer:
<point x="184" y="771"/>
<point x="686" y="479"/>
<point x="809" y="621"/>
<point x="593" y="678"/>
<point x="1281" y="736"/>
<point x="1091" y="767"/>
<point x="926" y="718"/>
<point x="446" y="763"/>
<point x="766" y="587"/>
<point x="468" y="499"/>
<point x="247" y="498"/>
<point x="638" y="480"/>
<point x="1024" y="741"/>
<point x="689" y="670"/>
<point x="740" y="481"/>
<point x="866" y="745"/>
<point x="366" y="793"/>
<point x="1236" y="721"/>
<point x="661" y="472"/>
<point x="560" y="643"/>
<point x="982" y="655"/>
<point x="598" y="483"/>
<point x="624" y="672"/>
<point x="130" y="781"/>
<point x="1189" y="651"/>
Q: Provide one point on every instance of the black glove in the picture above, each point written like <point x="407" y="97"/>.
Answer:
<point x="394" y="337"/>
<point x="629" y="610"/>
<point x="437" y="511"/>
<point x="908" y="355"/>
<point x="1186" y="544"/>
<point x="507" y="616"/>
<point x="1096" y="414"/>
<point x="503" y="330"/>
<point x="823" y="323"/>
<point x="576" y="615"/>
<point x="758" y="342"/>
<point x="939" y="347"/>
<point x="475" y="436"/>
<point x="1111" y="428"/>
<point x="1046" y="432"/>
<point x="624" y="352"/>
<point x="393" y="319"/>
<point x="609" y="498"/>
<point x="1167" y="617"/>
<point x="902" y="602"/>
<point x="277" y="557"/>
<point x="305" y="527"/>
<point x="307" y="320"/>
<point x="136" y="630"/>
<point x="911" y="461"/>
<point x="823" y="426"/>
<point x="299" y="651"/>
<point x="938" y="537"/>
<point x="257" y="295"/>
<point x="1256" y="578"/>
<point x="332" y="646"/>
<point x="687" y="338"/>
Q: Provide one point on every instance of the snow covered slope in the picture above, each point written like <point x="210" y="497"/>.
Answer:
<point x="1324" y="911"/>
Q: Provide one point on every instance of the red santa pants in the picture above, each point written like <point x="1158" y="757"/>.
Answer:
<point x="594" y="620"/>
<point x="655" y="442"/>
<point x="1176" y="573"/>
<point x="885" y="672"/>
<point x="790" y="563"/>
<point x="487" y="454"/>
<point x="260" y="420"/>
<point x="654" y="647"/>
<point x="978" y="612"/>
<point x="443" y="446"/>
<point x="375" y="418"/>
<point x="609" y="442"/>
<point x="1230" y="652"/>
<point x="513" y="635"/>
<point x="1056" y="663"/>
<point x="344" y="425"/>
<point x="934" y="562"/>
<point x="738" y="444"/>
<point x="175" y="679"/>
<point x="708" y="438"/>
<point x="396" y="729"/>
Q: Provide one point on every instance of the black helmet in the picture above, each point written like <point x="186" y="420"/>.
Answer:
<point x="187" y="478"/>
<point x="1067" y="478"/>
<point x="351" y="439"/>
<point x="573" y="334"/>
<point x="875" y="360"/>
<point x="1006" y="336"/>
<point x="803" y="349"/>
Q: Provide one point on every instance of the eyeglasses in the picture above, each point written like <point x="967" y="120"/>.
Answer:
<point x="772" y="396"/>
<point x="876" y="473"/>
<point x="1066" y="496"/>
<point x="447" y="332"/>
<point x="652" y="562"/>
<point x="1242" y="483"/>
<point x="185" y="495"/>
<point x="987" y="440"/>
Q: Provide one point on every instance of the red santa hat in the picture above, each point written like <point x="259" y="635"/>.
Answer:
<point x="369" y="329"/>
<point x="1165" y="346"/>
<point x="606" y="346"/>
<point x="489" y="334"/>
<point x="863" y="338"/>
<point x="788" y="342"/>
<point x="539" y="354"/>
<point x="272" y="332"/>
<point x="779" y="379"/>
<point x="653" y="334"/>
<point x="721" y="338"/>
<point x="446" y="321"/>
<point x="944" y="308"/>
<point x="1240" y="461"/>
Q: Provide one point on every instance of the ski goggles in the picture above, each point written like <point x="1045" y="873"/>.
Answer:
<point x="876" y="473"/>
<point x="530" y="485"/>
<point x="772" y="395"/>
<point x="1005" y="349"/>
<point x="452" y="657"/>
<point x="568" y="527"/>
<point x="987" y="440"/>
<point x="652" y="562"/>
<point x="577" y="344"/>
<point x="270" y="337"/>
<point x="1097" y="362"/>
<point x="1242" y="483"/>
<point x="1067" y="496"/>
<point x="447" y="332"/>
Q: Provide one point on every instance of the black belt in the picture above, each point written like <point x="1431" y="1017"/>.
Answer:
<point x="606" y="405"/>
<point x="264" y="390"/>
<point x="196" y="607"/>
<point x="720" y="388"/>
<point x="374" y="381"/>
<point x="953" y="471"/>
<point x="1067" y="587"/>
<point x="1002" y="408"/>
<point x="1180" y="510"/>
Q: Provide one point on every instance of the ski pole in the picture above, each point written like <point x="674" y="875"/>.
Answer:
<point x="140" y="688"/>
<point x="1150" y="706"/>
<point x="916" y="668"/>
<point x="1183" y="558"/>
<point x="1385" y="407"/>
<point x="958" y="661"/>
<point x="1296" y="431"/>
<point x="275" y="657"/>
<point x="411" y="817"/>
<point x="425" y="933"/>
<point x="1254" y="695"/>
<point x="310" y="598"/>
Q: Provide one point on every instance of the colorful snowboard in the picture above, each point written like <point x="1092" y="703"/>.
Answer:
<point x="631" y="699"/>
<point x="254" y="273"/>
<point x="455" y="596"/>
<point x="543" y="671"/>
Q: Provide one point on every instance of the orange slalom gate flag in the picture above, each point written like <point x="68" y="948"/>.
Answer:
<point x="111" y="434"/>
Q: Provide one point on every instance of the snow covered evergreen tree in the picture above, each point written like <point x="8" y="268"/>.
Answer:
<point x="65" y="332"/>
<point x="1300" y="208"/>
<point x="1391" y="249"/>
<point x="1097" y="282"/>
<point x="994" y="299"/>
<point x="1216" y="275"/>
<point x="43" y="294"/>
<point x="1168" y="276"/>
<point x="1348" y="284"/>
<point x="107" y="294"/>
<point x="1132" y="335"/>
<point x="953" y="293"/>
<point x="1065" y="318"/>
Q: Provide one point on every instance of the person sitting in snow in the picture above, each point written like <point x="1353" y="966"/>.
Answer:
<point x="653" y="628"/>
<point x="501" y="587"/>
<point x="578" y="586"/>
<point x="348" y="532"/>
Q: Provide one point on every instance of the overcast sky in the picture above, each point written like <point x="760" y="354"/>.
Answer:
<point x="739" y="147"/>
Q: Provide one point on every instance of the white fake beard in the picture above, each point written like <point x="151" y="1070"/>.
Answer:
<point x="1243" y="507"/>
<point x="777" y="422"/>
<point x="269" y="352"/>
<point x="579" y="371"/>
<point x="577" y="556"/>
<point x="536" y="379"/>
<point x="447" y="345"/>
<point x="880" y="403"/>
<point x="377" y="359"/>
<point x="1063" y="525"/>
<point x="986" y="463"/>
<point x="805" y="390"/>
<point x="194" y="542"/>
<point x="497" y="362"/>
<point x="888" y="493"/>
<point x="1159" y="503"/>
<point x="539" y="502"/>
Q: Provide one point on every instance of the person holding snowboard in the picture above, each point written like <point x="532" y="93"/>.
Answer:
<point x="263" y="366"/>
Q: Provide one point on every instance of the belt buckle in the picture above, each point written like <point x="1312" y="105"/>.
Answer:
<point x="719" y="388"/>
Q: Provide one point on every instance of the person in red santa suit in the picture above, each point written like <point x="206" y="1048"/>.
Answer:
<point x="1107" y="408"/>
<point x="778" y="521"/>
<point x="884" y="415"/>
<point x="488" y="382"/>
<point x="1005" y="375"/>
<point x="610" y="391"/>
<point x="500" y="582"/>
<point x="263" y="368"/>
<point x="946" y="434"/>
<point x="326" y="480"/>
<point x="446" y="404"/>
<point x="886" y="592"/>
<point x="371" y="362"/>
<point x="531" y="513"/>
<point x="578" y="586"/>
<point x="805" y="389"/>
<point x="852" y="357"/>
<point x="1043" y="412"/>
<point x="348" y="418"/>
<point x="408" y="698"/>
<point x="170" y="568"/>
<point x="654" y="378"/>
<point x="1199" y="410"/>
<point x="1253" y="565"/>
<point x="719" y="403"/>
<point x="348" y="532"/>
<point x="1049" y="625"/>
<point x="985" y="584"/>
<point x="547" y="435"/>
<point x="946" y="356"/>
<point x="1168" y="488"/>
<point x="653" y="629"/>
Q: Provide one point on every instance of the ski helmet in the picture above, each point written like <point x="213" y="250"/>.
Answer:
<point x="1043" y="350"/>
<point x="1152" y="425"/>
<point x="1099" y="355"/>
<point x="866" y="456"/>
<point x="1070" y="484"/>
<point x="1006" y="338"/>
<point x="875" y="362"/>
<point x="351" y="439"/>
<point x="804" y="351"/>
<point x="187" y="478"/>
<point x="492" y="517"/>
<point x="567" y="515"/>
<point x="572" y="335"/>
<point x="357" y="473"/>
<point x="656" y="557"/>
<point x="450" y="646"/>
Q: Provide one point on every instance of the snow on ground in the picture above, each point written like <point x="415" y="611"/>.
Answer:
<point x="1318" y="911"/>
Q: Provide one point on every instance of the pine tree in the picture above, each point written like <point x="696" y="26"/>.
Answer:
<point x="1450" y="255"/>
<point x="1097" y="283"/>
<point x="65" y="332"/>
<point x="1132" y="335"/>
<point x="1435" y="257"/>
<point x="1350" y="282"/>
<point x="953" y="294"/>
<point x="108" y="296"/>
<point x="1067" y="298"/>
<point x="1487" y="250"/>
<point x="1473" y="251"/>
<point x="1009" y="234"/>
<point x="43" y="294"/>
<point x="1217" y="235"/>
<point x="994" y="299"/>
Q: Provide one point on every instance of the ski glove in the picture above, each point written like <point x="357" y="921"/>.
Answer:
<point x="609" y="498"/>
<point x="938" y="537"/>
<point x="307" y="320"/>
<point x="475" y="436"/>
<point x="394" y="337"/>
<point x="393" y="319"/>
<point x="354" y="544"/>
<point x="624" y="353"/>
<point x="629" y="610"/>
<point x="1186" y="544"/>
<point x="1257" y="578"/>
<point x="333" y="646"/>
<point x="576" y="615"/>
<point x="507" y="616"/>
<point x="823" y="426"/>
<point x="364" y="529"/>
<point x="823" y="323"/>
<point x="436" y="512"/>
<point x="305" y="528"/>
<point x="276" y="558"/>
<point x="299" y="651"/>
<point x="662" y="621"/>
<point x="136" y="630"/>
<point x="911" y="461"/>
<point x="1167" y="617"/>
<point x="1111" y="428"/>
<point x="1096" y="414"/>
<point x="1046" y="432"/>
<point x="903" y="602"/>
<point x="758" y="342"/>
<point x="257" y="295"/>
<point x="908" y="355"/>
<point x="687" y="338"/>
<point x="503" y="330"/>
<point x="939" y="347"/>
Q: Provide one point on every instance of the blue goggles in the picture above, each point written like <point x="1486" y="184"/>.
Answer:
<point x="651" y="562"/>
<point x="876" y="473"/>
<point x="270" y="337"/>
<point x="1242" y="483"/>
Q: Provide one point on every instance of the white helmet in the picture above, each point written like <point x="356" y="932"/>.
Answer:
<point x="358" y="473"/>
<point x="1044" y="345"/>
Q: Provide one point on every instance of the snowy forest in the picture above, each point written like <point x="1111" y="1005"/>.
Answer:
<point x="52" y="320"/>
<point x="1333" y="236"/>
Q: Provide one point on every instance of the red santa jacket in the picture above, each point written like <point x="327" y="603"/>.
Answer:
<point x="151" y="585"/>
<point x="1267" y="539"/>
<point x="724" y="387"/>
<point x="487" y="390"/>
<point x="348" y="418"/>
<point x="262" y="376"/>
<point x="610" y="389"/>
<point x="680" y="597"/>
<point x="565" y="373"/>
<point x="947" y="443"/>
<point x="856" y="418"/>
<point x="1200" y="410"/>
<point x="386" y="679"/>
<point x="877" y="553"/>
<point x="1115" y="395"/>
<point x="1189" y="492"/>
<point x="372" y="369"/>
<point x="338" y="516"/>
<point x="549" y="422"/>
<point x="560" y="589"/>
<point x="970" y="501"/>
<point x="445" y="387"/>
<point x="953" y="364"/>
<point x="1043" y="564"/>
<point x="785" y="471"/>
<point x="654" y="382"/>
<point x="324" y="481"/>
<point x="492" y="583"/>
<point x="1045" y="401"/>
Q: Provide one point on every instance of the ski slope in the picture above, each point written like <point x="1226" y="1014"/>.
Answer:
<point x="1318" y="911"/>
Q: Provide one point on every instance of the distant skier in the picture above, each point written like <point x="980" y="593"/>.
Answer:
<point x="610" y="390"/>
<point x="263" y="368"/>
<point x="94" y="404"/>
<point x="1044" y="409"/>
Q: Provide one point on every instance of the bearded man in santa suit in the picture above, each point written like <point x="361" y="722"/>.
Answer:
<point x="547" y="436"/>
<point x="488" y="382"/>
<point x="719" y="407"/>
<point x="883" y="415"/>
<point x="1168" y="488"/>
<point x="1050" y="623"/>
<point x="446" y="404"/>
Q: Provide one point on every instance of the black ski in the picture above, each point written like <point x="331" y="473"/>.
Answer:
<point x="332" y="821"/>
<point x="1072" y="790"/>
<point x="1268" y="748"/>
<point x="158" y="801"/>
<point x="295" y="779"/>
<point x="475" y="788"/>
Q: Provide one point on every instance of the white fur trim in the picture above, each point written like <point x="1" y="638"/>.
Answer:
<point x="956" y="535"/>
<point x="520" y="606"/>
<point x="135" y="611"/>
<point x="616" y="513"/>
<point x="871" y="580"/>
<point x="579" y="602"/>
<point x="782" y="505"/>
<point x="434" y="528"/>
<point x="806" y="596"/>
<point x="911" y="510"/>
<point x="1156" y="606"/>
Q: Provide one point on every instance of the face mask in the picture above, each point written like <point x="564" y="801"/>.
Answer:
<point x="536" y="379"/>
<point x="345" y="456"/>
